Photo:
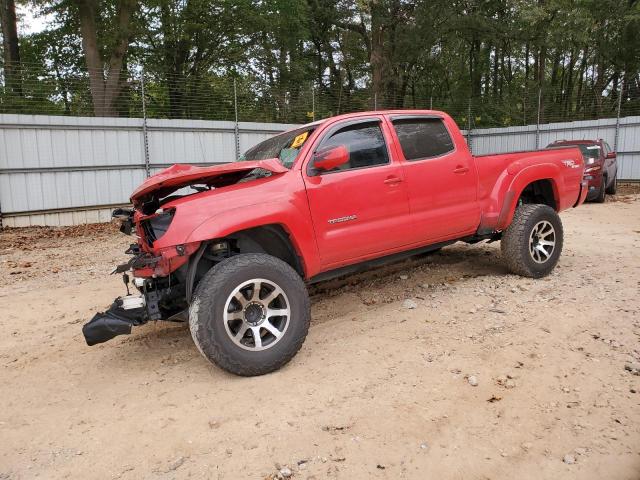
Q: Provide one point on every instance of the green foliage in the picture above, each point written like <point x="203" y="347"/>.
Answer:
<point x="295" y="60"/>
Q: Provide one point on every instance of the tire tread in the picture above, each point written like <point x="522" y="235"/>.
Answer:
<point x="517" y="232"/>
<point x="204" y="300"/>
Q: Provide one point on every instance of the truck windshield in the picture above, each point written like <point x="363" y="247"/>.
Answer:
<point x="284" y="147"/>
<point x="588" y="150"/>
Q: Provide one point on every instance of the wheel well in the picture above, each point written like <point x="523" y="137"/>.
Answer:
<point x="270" y="239"/>
<point x="540" y="191"/>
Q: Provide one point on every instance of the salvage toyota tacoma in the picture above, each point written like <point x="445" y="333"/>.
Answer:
<point x="231" y="248"/>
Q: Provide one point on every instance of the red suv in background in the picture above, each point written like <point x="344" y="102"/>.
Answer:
<point x="600" y="166"/>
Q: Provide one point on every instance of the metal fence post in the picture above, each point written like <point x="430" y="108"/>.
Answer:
<point x="236" y="128"/>
<point x="145" y="137"/>
<point x="538" y="119"/>
<point x="469" y="128"/>
<point x="616" y="139"/>
<point x="313" y="103"/>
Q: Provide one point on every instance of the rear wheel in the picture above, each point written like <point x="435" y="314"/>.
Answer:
<point x="532" y="244"/>
<point x="250" y="314"/>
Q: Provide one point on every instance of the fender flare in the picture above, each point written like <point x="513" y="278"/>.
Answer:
<point x="294" y="223"/>
<point x="526" y="176"/>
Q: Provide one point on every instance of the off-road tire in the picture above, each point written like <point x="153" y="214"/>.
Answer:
<point x="601" y="193"/>
<point x="207" y="309"/>
<point x="613" y="188"/>
<point x="515" y="240"/>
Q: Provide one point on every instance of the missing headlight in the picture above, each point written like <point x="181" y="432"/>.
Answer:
<point x="155" y="227"/>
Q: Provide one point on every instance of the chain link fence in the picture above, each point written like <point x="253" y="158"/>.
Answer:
<point x="54" y="90"/>
<point x="60" y="168"/>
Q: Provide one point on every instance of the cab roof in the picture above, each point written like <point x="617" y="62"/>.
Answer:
<point x="346" y="116"/>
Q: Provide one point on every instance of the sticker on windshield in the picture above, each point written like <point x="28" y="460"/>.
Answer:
<point x="299" y="140"/>
<point x="593" y="147"/>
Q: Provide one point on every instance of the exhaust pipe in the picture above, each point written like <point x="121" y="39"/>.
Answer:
<point x="115" y="321"/>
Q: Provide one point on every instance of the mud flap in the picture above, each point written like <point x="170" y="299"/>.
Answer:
<point x="115" y="321"/>
<point x="584" y="191"/>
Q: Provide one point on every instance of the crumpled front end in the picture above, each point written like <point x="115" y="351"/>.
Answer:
<point x="159" y="278"/>
<point x="164" y="265"/>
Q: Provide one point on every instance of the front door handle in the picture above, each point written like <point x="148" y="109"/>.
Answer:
<point x="392" y="180"/>
<point x="460" y="169"/>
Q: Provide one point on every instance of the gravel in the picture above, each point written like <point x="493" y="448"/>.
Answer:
<point x="409" y="304"/>
<point x="358" y="365"/>
<point x="285" y="472"/>
<point x="633" y="367"/>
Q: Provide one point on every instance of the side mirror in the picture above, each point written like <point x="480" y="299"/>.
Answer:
<point x="611" y="155"/>
<point x="330" y="158"/>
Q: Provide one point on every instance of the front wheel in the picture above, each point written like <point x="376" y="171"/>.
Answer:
<point x="613" y="188"/>
<point x="250" y="314"/>
<point x="532" y="244"/>
<point x="603" y="188"/>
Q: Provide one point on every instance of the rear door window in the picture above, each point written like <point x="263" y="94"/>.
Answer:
<point x="422" y="138"/>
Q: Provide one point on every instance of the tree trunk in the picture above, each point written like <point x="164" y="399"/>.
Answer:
<point x="11" y="46"/>
<point x="598" y="86"/>
<point x="174" y="61"/>
<point x="526" y="64"/>
<point x="541" y="60"/>
<point x="113" y="83"/>
<point x="104" y="89"/>
<point x="581" y="80"/>
<point x="496" y="69"/>
<point x="569" y="93"/>
<point x="377" y="57"/>
<point x="475" y="74"/>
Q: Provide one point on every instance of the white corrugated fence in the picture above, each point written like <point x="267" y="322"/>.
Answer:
<point x="501" y="140"/>
<point x="58" y="170"/>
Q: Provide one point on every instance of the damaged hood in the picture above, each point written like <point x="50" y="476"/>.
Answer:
<point x="177" y="176"/>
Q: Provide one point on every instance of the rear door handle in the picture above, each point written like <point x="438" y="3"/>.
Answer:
<point x="392" y="180"/>
<point x="460" y="169"/>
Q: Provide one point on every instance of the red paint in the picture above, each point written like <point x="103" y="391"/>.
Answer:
<point x="344" y="217"/>
<point x="177" y="176"/>
<point x="332" y="158"/>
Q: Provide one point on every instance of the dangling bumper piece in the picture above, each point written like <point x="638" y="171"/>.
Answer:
<point x="115" y="321"/>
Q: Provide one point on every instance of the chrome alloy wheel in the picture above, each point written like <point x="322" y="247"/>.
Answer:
<point x="542" y="241"/>
<point x="257" y="314"/>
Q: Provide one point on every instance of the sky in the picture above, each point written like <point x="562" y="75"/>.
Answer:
<point x="29" y="21"/>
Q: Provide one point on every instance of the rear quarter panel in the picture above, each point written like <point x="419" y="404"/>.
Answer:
<point x="503" y="177"/>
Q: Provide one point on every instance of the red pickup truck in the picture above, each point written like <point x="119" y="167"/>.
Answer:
<point x="230" y="248"/>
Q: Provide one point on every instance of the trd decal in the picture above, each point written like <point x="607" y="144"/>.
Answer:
<point x="343" y="219"/>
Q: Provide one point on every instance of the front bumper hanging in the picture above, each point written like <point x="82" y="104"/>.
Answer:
<point x="115" y="321"/>
<point x="159" y="277"/>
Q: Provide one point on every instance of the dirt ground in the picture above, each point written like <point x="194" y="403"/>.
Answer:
<point x="377" y="391"/>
